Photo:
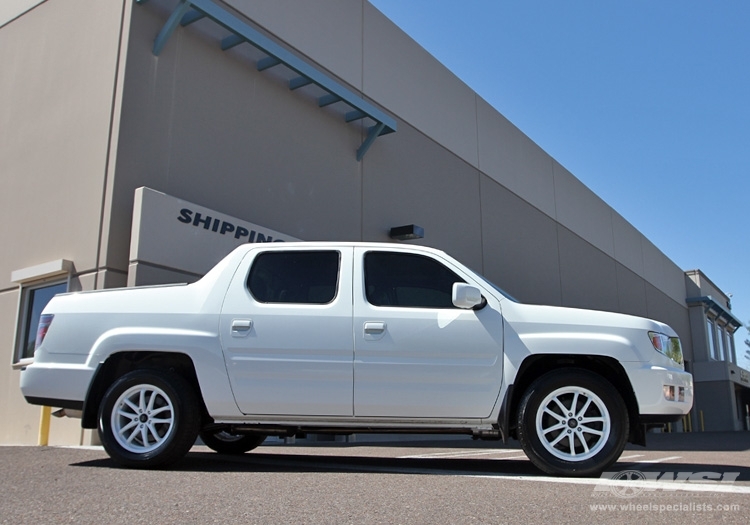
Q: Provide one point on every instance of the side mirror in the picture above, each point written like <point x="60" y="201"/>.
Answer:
<point x="467" y="296"/>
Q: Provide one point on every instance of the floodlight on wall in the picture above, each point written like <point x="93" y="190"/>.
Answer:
<point x="405" y="233"/>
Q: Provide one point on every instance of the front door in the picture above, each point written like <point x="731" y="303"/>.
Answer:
<point x="416" y="355"/>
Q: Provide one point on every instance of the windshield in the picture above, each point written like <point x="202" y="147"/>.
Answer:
<point x="496" y="287"/>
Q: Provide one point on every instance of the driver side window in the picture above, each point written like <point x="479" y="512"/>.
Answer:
<point x="408" y="280"/>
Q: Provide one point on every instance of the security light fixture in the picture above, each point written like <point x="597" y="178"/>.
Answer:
<point x="405" y="233"/>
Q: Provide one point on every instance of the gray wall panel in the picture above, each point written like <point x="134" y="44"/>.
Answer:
<point x="520" y="246"/>
<point x="408" y="81"/>
<point x="589" y="276"/>
<point x="715" y="401"/>
<point x="514" y="160"/>
<point x="628" y="244"/>
<point x="660" y="271"/>
<point x="413" y="180"/>
<point x="665" y="309"/>
<point x="631" y="292"/>
<point x="582" y="211"/>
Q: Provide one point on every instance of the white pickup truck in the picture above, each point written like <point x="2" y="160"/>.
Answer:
<point x="285" y="339"/>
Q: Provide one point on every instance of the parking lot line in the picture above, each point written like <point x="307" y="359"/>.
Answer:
<point x="632" y="456"/>
<point x="652" y="485"/>
<point x="660" y="460"/>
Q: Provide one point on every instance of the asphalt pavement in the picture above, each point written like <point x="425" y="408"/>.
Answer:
<point x="684" y="478"/>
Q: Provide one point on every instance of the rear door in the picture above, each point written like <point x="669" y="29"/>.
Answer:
<point x="286" y="331"/>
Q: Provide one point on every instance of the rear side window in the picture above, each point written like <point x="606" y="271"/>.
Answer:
<point x="408" y="280"/>
<point x="304" y="277"/>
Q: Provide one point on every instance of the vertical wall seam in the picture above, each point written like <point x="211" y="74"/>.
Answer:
<point x="614" y="258"/>
<point x="479" y="184"/>
<point x="107" y="180"/>
<point x="557" y="235"/>
<point x="361" y="167"/>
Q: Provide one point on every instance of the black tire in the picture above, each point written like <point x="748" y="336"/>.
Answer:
<point x="225" y="442"/>
<point x="584" y="439"/>
<point x="148" y="419"/>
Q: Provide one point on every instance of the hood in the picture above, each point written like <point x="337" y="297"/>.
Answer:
<point x="528" y="315"/>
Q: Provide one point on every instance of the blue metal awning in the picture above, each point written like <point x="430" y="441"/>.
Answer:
<point x="716" y="310"/>
<point x="188" y="11"/>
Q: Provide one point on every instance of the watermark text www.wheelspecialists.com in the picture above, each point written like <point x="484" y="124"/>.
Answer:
<point x="661" y="508"/>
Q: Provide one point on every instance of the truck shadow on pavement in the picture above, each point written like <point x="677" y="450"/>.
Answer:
<point x="198" y="461"/>
<point x="211" y="462"/>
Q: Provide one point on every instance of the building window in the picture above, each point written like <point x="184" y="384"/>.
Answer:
<point x="731" y="351"/>
<point x="720" y="343"/>
<point x="711" y="332"/>
<point x="33" y="301"/>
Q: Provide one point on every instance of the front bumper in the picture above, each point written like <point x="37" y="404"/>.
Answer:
<point x="660" y="391"/>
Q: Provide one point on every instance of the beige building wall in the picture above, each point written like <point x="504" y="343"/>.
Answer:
<point x="11" y="9"/>
<point x="59" y="64"/>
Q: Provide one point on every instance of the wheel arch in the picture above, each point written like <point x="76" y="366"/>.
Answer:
<point x="535" y="366"/>
<point x="121" y="363"/>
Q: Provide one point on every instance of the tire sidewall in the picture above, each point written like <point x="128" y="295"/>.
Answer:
<point x="532" y="443"/>
<point x="184" y="421"/>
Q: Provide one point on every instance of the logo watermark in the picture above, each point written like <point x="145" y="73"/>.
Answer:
<point x="632" y="483"/>
<point x="665" y="486"/>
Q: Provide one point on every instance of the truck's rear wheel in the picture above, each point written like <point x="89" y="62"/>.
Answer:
<point x="148" y="419"/>
<point x="225" y="442"/>
<point x="572" y="422"/>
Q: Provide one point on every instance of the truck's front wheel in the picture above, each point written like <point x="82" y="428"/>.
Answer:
<point x="148" y="419"/>
<point x="572" y="422"/>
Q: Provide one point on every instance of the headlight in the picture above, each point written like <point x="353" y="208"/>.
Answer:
<point x="669" y="346"/>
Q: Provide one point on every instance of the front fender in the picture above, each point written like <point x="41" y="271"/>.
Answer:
<point x="518" y="347"/>
<point x="583" y="343"/>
